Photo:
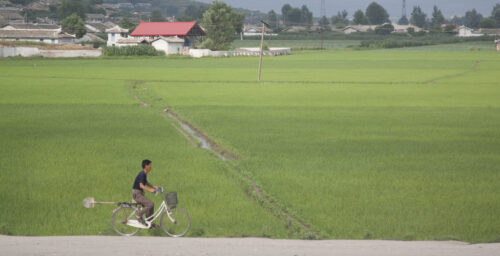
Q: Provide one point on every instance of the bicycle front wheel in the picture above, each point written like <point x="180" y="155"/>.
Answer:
<point x="179" y="224"/>
<point x="120" y="219"/>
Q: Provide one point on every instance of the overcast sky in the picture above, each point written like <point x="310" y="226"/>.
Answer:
<point x="394" y="7"/>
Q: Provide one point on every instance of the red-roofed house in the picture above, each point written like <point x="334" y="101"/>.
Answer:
<point x="189" y="31"/>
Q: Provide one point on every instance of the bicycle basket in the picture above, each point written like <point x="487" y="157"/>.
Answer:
<point x="171" y="198"/>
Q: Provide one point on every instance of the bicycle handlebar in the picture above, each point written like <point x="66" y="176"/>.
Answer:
<point x="159" y="189"/>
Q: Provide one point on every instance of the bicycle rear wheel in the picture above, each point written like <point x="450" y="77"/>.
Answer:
<point x="120" y="218"/>
<point x="181" y="224"/>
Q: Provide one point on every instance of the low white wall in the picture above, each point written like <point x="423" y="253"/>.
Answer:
<point x="198" y="53"/>
<point x="33" y="51"/>
<point x="70" y="53"/>
<point x="18" y="51"/>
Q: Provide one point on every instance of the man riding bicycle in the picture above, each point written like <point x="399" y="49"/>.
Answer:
<point x="140" y="184"/>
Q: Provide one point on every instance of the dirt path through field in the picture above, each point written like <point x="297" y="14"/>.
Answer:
<point x="112" y="245"/>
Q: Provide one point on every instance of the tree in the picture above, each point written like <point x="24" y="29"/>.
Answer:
<point x="306" y="16"/>
<point x="418" y="17"/>
<point x="73" y="24"/>
<point x="272" y="19"/>
<point x="437" y="16"/>
<point x="22" y="2"/>
<point x="436" y="28"/>
<point x="190" y="12"/>
<point x="237" y="20"/>
<point x="450" y="29"/>
<point x="487" y="23"/>
<point x="403" y="21"/>
<point x="171" y="10"/>
<point x="457" y="20"/>
<point x="323" y="22"/>
<point x="359" y="18"/>
<point x="340" y="18"/>
<point x="68" y="7"/>
<point x="126" y="23"/>
<point x="385" y="29"/>
<point x="473" y="19"/>
<point x="94" y="2"/>
<point x="495" y="14"/>
<point x="156" y="16"/>
<point x="376" y="14"/>
<point x="193" y="12"/>
<point x="294" y="16"/>
<point x="284" y="12"/>
<point x="219" y="23"/>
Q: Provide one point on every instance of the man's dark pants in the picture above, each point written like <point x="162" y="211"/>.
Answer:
<point x="147" y="205"/>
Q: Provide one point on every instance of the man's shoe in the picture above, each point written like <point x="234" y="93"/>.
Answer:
<point x="153" y="225"/>
<point x="140" y="220"/>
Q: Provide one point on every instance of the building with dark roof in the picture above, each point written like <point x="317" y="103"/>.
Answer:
<point x="37" y="35"/>
<point x="22" y="26"/>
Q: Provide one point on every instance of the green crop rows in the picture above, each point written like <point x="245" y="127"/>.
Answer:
<point x="386" y="144"/>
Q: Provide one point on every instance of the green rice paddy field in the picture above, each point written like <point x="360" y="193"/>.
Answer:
<point x="382" y="144"/>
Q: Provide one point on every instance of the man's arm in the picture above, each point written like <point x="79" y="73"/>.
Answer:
<point x="146" y="188"/>
<point x="151" y="185"/>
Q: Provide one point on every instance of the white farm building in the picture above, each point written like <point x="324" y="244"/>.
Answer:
<point x="170" y="45"/>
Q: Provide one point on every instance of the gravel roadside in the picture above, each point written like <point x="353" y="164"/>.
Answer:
<point x="114" y="245"/>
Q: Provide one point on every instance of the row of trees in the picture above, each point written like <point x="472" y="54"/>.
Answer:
<point x="474" y="19"/>
<point x="375" y="14"/>
<point x="471" y="19"/>
<point x="80" y="7"/>
<point x="295" y="16"/>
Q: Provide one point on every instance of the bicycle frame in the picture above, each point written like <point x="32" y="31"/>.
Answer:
<point x="152" y="218"/>
<point x="163" y="207"/>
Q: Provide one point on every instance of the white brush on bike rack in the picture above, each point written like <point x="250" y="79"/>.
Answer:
<point x="89" y="202"/>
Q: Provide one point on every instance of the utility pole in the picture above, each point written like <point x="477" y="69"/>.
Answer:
<point x="277" y="22"/>
<point x="262" y="47"/>
<point x="404" y="8"/>
<point x="323" y="8"/>
<point x="323" y="14"/>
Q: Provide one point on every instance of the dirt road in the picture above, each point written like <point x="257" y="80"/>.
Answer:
<point x="138" y="246"/>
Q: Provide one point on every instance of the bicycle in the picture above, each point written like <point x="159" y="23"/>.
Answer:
<point x="174" y="221"/>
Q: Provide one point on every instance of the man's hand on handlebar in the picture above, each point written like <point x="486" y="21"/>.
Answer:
<point x="157" y="189"/>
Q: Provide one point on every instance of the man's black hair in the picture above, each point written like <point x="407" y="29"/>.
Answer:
<point x="145" y="162"/>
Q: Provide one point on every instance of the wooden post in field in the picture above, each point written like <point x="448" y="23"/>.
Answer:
<point x="261" y="47"/>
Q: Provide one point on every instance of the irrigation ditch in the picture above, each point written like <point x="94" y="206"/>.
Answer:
<point x="476" y="67"/>
<point x="297" y="228"/>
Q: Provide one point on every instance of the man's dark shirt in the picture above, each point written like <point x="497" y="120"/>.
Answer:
<point x="141" y="178"/>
